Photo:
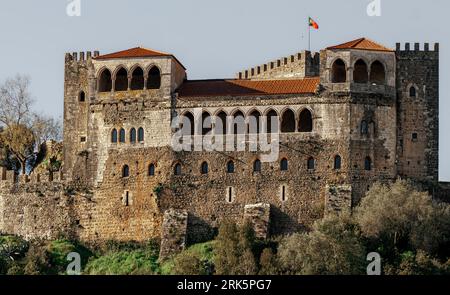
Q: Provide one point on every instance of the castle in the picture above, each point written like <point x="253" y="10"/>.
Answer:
<point x="348" y="116"/>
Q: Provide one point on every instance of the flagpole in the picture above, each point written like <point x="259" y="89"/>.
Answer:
<point x="309" y="36"/>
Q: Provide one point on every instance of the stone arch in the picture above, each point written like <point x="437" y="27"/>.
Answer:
<point x="205" y="125"/>
<point x="288" y="121"/>
<point x="230" y="166"/>
<point x="254" y="121"/>
<point x="137" y="78"/>
<point x="120" y="78"/>
<point x="187" y="124"/>
<point x="272" y="118"/>
<point x="81" y="96"/>
<point x="151" y="169"/>
<point x="204" y="168"/>
<point x="360" y="72"/>
<point x="133" y="135"/>
<point x="177" y="169"/>
<point x="122" y="135"/>
<point x="154" y="78"/>
<point x="305" y="121"/>
<point x="125" y="171"/>
<point x="337" y="162"/>
<point x="114" y="135"/>
<point x="377" y="73"/>
<point x="105" y="80"/>
<point x="238" y="122"/>
<point x="338" y="71"/>
<point x="141" y="134"/>
<point x="284" y="164"/>
<point x="257" y="165"/>
<point x="413" y="91"/>
<point x="221" y="124"/>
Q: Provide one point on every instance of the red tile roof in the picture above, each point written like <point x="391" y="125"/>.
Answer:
<point x="136" y="52"/>
<point x="362" y="44"/>
<point x="133" y="52"/>
<point x="209" y="88"/>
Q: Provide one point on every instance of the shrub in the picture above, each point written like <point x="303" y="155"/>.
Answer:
<point x="268" y="263"/>
<point x="332" y="247"/>
<point x="233" y="250"/>
<point x="402" y="218"/>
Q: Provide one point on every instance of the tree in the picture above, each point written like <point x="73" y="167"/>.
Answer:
<point x="268" y="263"/>
<point x="45" y="129"/>
<point x="332" y="247"/>
<point x="233" y="250"/>
<point x="403" y="218"/>
<point x="15" y="101"/>
<point x="23" y="130"/>
<point x="20" y="141"/>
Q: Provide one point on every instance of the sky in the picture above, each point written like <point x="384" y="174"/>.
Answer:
<point x="213" y="39"/>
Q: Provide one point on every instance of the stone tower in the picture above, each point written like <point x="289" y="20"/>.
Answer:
<point x="418" y="111"/>
<point x="78" y="90"/>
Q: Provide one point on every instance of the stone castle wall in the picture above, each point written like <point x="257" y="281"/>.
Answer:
<point x="140" y="206"/>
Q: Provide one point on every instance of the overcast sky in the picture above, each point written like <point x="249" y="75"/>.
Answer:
<point x="213" y="39"/>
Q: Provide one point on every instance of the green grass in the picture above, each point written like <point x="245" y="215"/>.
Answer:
<point x="124" y="263"/>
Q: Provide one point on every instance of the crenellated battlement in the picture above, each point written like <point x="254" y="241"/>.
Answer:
<point x="416" y="47"/>
<point x="10" y="177"/>
<point x="81" y="56"/>
<point x="299" y="65"/>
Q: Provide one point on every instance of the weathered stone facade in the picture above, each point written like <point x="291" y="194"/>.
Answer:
<point x="347" y="120"/>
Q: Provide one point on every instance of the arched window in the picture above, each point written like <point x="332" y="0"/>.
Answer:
<point x="254" y="122"/>
<point x="151" y="170"/>
<point x="137" y="79"/>
<point x="204" y="168"/>
<point x="133" y="135"/>
<point x="412" y="92"/>
<point x="377" y="73"/>
<point x="230" y="167"/>
<point x="364" y="127"/>
<point x="177" y="169"/>
<point x="284" y="164"/>
<point x="305" y="121"/>
<point x="272" y="122"/>
<point x="141" y="134"/>
<point x="122" y="135"/>
<point x="239" y="123"/>
<point x="221" y="124"/>
<point x="338" y="72"/>
<point x="114" y="136"/>
<point x="187" y="124"/>
<point x="154" y="78"/>
<point x="105" y="81"/>
<point x="368" y="164"/>
<point x="360" y="72"/>
<point x="82" y="96"/>
<point x="337" y="162"/>
<point x="288" y="121"/>
<point x="257" y="166"/>
<point x="206" y="123"/>
<point x="311" y="164"/>
<point x="121" y="83"/>
<point x="125" y="171"/>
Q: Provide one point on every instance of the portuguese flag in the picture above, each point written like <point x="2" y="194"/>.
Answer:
<point x="313" y="24"/>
